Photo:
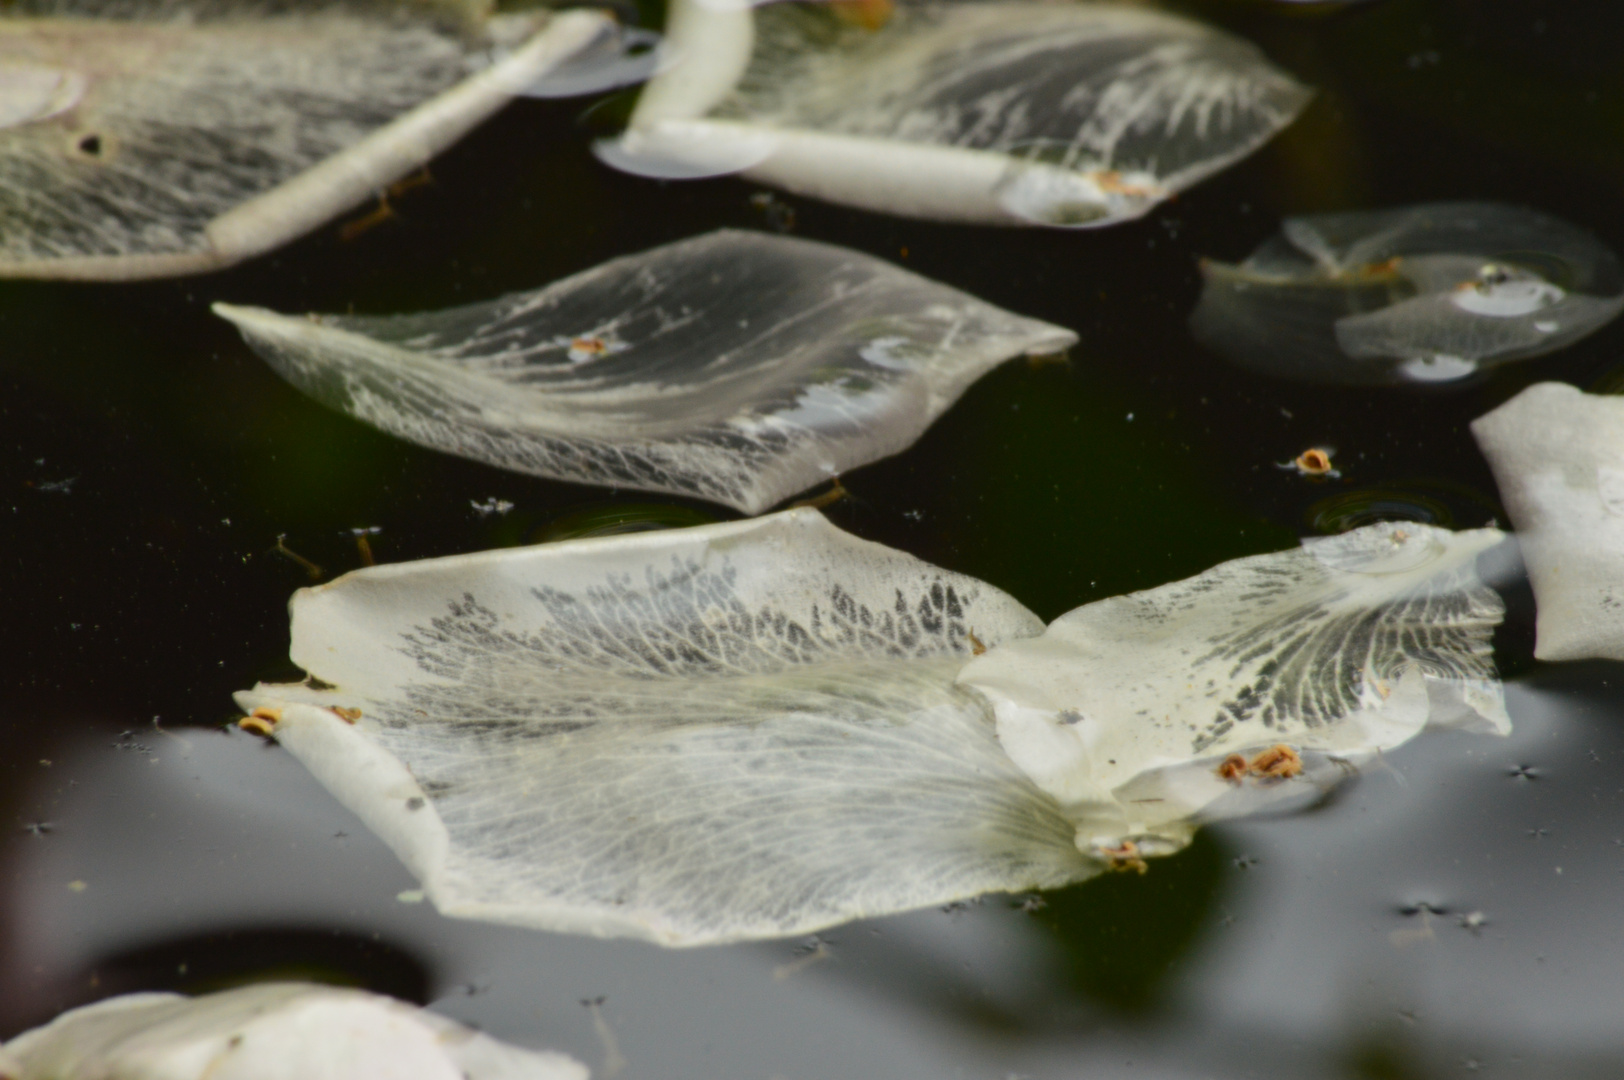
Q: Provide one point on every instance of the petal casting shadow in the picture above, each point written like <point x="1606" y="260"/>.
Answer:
<point x="736" y="367"/>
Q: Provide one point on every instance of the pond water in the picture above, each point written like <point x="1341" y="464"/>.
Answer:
<point x="1451" y="910"/>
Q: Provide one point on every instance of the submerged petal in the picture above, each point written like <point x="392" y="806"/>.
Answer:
<point x="709" y="734"/>
<point x="271" y="1031"/>
<point x="737" y="367"/>
<point x="1056" y="114"/>
<point x="1125" y="709"/>
<point x="1428" y="293"/>
<point x="188" y="140"/>
<point x="1558" y="458"/>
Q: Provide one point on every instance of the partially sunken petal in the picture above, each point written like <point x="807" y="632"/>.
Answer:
<point x="1558" y="457"/>
<point x="1125" y="709"/>
<point x="1007" y="113"/>
<point x="737" y="367"/>
<point x="271" y="1031"/>
<point x="1423" y="294"/>
<point x="179" y="142"/>
<point x="735" y="731"/>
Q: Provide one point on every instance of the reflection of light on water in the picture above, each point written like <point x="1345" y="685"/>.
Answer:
<point x="29" y="94"/>
<point x="1440" y="367"/>
<point x="1504" y="293"/>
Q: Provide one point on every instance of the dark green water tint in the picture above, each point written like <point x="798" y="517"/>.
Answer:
<point x="1454" y="909"/>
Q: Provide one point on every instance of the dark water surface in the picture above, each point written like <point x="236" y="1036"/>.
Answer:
<point x="1455" y="909"/>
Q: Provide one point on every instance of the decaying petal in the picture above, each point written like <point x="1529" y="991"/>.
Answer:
<point x="1126" y="709"/>
<point x="710" y="734"/>
<point x="1426" y="293"/>
<point x="158" y="139"/>
<point x="737" y="367"/>
<point x="1006" y="113"/>
<point x="1558" y="458"/>
<point x="271" y="1031"/>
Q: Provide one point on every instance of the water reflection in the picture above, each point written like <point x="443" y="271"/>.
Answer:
<point x="1289" y="972"/>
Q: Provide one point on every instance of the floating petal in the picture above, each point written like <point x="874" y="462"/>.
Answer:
<point x="271" y="1031"/>
<point x="710" y="734"/>
<point x="1558" y="457"/>
<point x="1424" y="294"/>
<point x="1124" y="709"/>
<point x="190" y="139"/>
<point x="736" y="367"/>
<point x="1007" y="113"/>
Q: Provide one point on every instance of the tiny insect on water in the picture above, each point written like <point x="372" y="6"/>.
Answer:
<point x="1315" y="462"/>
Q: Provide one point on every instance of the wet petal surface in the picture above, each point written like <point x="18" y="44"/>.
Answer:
<point x="736" y="367"/>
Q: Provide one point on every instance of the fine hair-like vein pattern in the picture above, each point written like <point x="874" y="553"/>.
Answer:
<point x="713" y="734"/>
<point x="735" y="366"/>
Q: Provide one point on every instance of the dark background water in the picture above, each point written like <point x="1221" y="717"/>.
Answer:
<point x="151" y="462"/>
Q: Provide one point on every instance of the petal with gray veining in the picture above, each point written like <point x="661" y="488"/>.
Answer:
<point x="1124" y="708"/>
<point x="709" y="734"/>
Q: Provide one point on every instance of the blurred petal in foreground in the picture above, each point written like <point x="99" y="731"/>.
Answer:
<point x="188" y="140"/>
<point x="709" y="734"/>
<point x="736" y="367"/>
<point x="271" y="1031"/>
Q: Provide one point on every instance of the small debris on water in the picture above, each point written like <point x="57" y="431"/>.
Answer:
<point x="813" y="951"/>
<point x="490" y="506"/>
